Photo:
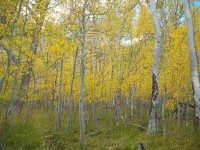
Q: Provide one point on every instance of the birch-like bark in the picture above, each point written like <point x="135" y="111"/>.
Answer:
<point x="70" y="97"/>
<point x="71" y="92"/>
<point x="129" y="104"/>
<point x="93" y="72"/>
<point x="11" y="109"/>
<point x="16" y="17"/>
<point x="163" y="106"/>
<point x="2" y="79"/>
<point x="153" y="119"/>
<point x="117" y="102"/>
<point x="59" y="106"/>
<point x="9" y="52"/>
<point x="82" y="88"/>
<point x="193" y="61"/>
<point x="37" y="29"/>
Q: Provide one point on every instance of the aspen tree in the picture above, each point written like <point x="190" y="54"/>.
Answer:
<point x="153" y="118"/>
<point x="193" y="61"/>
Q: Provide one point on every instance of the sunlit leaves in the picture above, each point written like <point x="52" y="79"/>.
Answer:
<point x="145" y="23"/>
<point x="110" y="65"/>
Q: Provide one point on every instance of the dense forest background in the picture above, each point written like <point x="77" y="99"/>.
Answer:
<point x="99" y="74"/>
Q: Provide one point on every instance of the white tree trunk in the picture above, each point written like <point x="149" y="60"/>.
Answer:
<point x="153" y="119"/>
<point x="60" y="103"/>
<point x="71" y="92"/>
<point x="2" y="79"/>
<point x="82" y="88"/>
<point x="129" y="104"/>
<point x="193" y="61"/>
<point x="117" y="102"/>
<point x="11" y="109"/>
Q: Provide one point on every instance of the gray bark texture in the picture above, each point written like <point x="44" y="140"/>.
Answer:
<point x="193" y="61"/>
<point x="153" y="119"/>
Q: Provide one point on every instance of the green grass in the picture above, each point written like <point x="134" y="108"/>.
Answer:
<point x="23" y="136"/>
<point x="39" y="133"/>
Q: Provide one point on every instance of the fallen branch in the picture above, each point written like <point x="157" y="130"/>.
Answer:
<point x="93" y="133"/>
<point x="139" y="126"/>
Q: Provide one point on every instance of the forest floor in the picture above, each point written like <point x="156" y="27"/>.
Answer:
<point x="39" y="133"/>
